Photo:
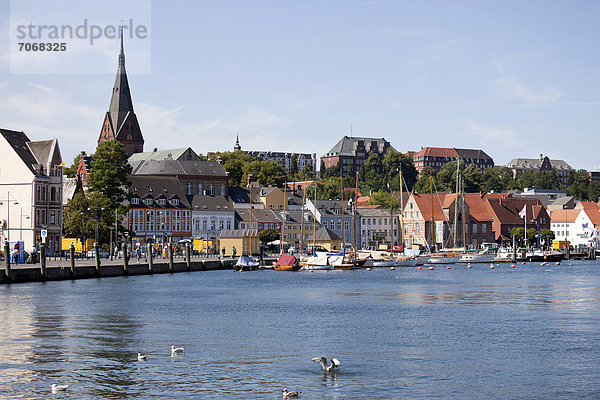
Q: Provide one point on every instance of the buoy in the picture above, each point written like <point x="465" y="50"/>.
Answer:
<point x="431" y="268"/>
<point x="419" y="267"/>
<point x="368" y="269"/>
<point x="469" y="266"/>
<point x="392" y="268"/>
<point x="513" y="266"/>
<point x="311" y="270"/>
<point x="497" y="265"/>
<point x="492" y="266"/>
<point x="447" y="267"/>
<point x="558" y="263"/>
<point x="523" y="263"/>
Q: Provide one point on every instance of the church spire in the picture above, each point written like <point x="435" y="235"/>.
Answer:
<point x="237" y="143"/>
<point x="120" y="121"/>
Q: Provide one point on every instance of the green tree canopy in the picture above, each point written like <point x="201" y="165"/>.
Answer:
<point x="71" y="170"/>
<point x="497" y="179"/>
<point x="578" y="185"/>
<point x="268" y="235"/>
<point x="110" y="171"/>
<point x="539" y="179"/>
<point x="395" y="161"/>
<point x="82" y="211"/>
<point x="233" y="162"/>
<point x="423" y="185"/>
<point x="266" y="172"/>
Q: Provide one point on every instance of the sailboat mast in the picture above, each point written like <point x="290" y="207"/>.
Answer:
<point x="315" y="221"/>
<point x="343" y="216"/>
<point x="354" y="214"/>
<point x="250" y="192"/>
<point x="391" y="223"/>
<point x="302" y="221"/>
<point x="464" y="217"/>
<point x="432" y="219"/>
<point x="283" y="218"/>
<point x="456" y="202"/>
<point x="401" y="212"/>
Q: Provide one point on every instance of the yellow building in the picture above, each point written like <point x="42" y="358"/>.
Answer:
<point x="245" y="242"/>
<point x="325" y="238"/>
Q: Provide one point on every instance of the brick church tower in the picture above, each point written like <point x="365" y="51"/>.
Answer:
<point x="120" y="122"/>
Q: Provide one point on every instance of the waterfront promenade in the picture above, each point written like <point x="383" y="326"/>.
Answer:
<point x="61" y="268"/>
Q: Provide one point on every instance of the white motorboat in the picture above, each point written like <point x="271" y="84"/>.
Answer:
<point x="485" y="255"/>
<point x="444" y="258"/>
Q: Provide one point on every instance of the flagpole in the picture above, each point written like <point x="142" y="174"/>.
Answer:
<point x="525" y="226"/>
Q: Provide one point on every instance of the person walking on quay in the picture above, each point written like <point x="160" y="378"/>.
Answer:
<point x="223" y="251"/>
<point x="233" y="250"/>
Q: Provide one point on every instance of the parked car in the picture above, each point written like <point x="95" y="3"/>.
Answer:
<point x="101" y="252"/>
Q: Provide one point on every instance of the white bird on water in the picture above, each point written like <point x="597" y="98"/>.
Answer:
<point x="323" y="361"/>
<point x="59" y="388"/>
<point x="289" y="394"/>
<point x="176" y="350"/>
<point x="141" y="357"/>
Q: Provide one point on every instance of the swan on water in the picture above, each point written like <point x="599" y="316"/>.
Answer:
<point x="176" y="350"/>
<point x="141" y="357"/>
<point x="289" y="394"/>
<point x="59" y="388"/>
<point x="323" y="361"/>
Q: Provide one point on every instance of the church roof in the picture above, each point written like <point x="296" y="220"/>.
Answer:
<point x="172" y="154"/>
<point x="120" y="102"/>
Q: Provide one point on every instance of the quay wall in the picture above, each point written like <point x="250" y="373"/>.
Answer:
<point x="34" y="273"/>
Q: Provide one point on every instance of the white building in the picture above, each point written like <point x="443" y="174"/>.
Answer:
<point x="581" y="227"/>
<point x="30" y="190"/>
<point x="210" y="216"/>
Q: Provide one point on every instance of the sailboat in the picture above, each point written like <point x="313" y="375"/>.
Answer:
<point x="285" y="262"/>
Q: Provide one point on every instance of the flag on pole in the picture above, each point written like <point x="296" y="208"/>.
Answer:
<point x="523" y="212"/>
<point x="62" y="164"/>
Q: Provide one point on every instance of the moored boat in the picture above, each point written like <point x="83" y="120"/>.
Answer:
<point x="287" y="262"/>
<point x="246" y="263"/>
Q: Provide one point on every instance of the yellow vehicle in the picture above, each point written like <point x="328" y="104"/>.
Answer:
<point x="202" y="245"/>
<point x="66" y="244"/>
<point x="559" y="244"/>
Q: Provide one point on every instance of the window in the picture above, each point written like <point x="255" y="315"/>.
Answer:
<point x="346" y="225"/>
<point x="53" y="194"/>
<point x="52" y="217"/>
<point x="204" y="223"/>
<point x="162" y="202"/>
<point x="135" y="200"/>
<point x="484" y="228"/>
<point x="228" y="224"/>
<point x="148" y="201"/>
<point x="200" y="188"/>
<point x="221" y="224"/>
<point x="417" y="228"/>
<point x="222" y="190"/>
<point x="174" y="202"/>
<point x="188" y="188"/>
<point x="474" y="228"/>
<point x="211" y="189"/>
<point x="339" y="225"/>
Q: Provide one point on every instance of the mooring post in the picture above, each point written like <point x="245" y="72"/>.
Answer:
<point x="43" y="260"/>
<point x="72" y="258"/>
<point x="567" y="253"/>
<point x="7" y="261"/>
<point x="188" y="256"/>
<point x="125" y="258"/>
<point x="170" y="250"/>
<point x="150" y="257"/>
<point x="97" y="258"/>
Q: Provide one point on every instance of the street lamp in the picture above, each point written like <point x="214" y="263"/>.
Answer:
<point x="8" y="196"/>
<point x="21" y="225"/>
<point x="96" y="218"/>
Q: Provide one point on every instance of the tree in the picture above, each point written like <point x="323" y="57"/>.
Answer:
<point x="383" y="199"/>
<point x="371" y="173"/>
<point x="293" y="166"/>
<point x="331" y="172"/>
<point x="233" y="162"/>
<point x="578" y="185"/>
<point x="71" y="171"/>
<point x="531" y="236"/>
<point x="547" y="236"/>
<point x="472" y="179"/>
<point x="392" y="163"/>
<point x="594" y="191"/>
<point x="497" y="179"/>
<point x="266" y="172"/>
<point x="268" y="235"/>
<point x="110" y="171"/>
<point x="328" y="191"/>
<point x="422" y="185"/>
<point x="306" y="173"/>
<point x="539" y="179"/>
<point x="518" y="234"/>
<point x="89" y="210"/>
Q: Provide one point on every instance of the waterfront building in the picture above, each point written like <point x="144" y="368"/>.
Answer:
<point x="580" y="226"/>
<point x="285" y="159"/>
<point x="519" y="165"/>
<point x="325" y="238"/>
<point x="476" y="227"/>
<point x="210" y="216"/>
<point x="506" y="211"/>
<point x="437" y="157"/>
<point x="329" y="214"/>
<point x="375" y="228"/>
<point x="159" y="210"/>
<point x="240" y="197"/>
<point x="120" y="122"/>
<point x="31" y="195"/>
<point x="244" y="241"/>
<point x="351" y="152"/>
<point x="196" y="177"/>
<point x="419" y="221"/>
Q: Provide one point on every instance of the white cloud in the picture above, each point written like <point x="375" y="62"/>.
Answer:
<point x="512" y="88"/>
<point x="492" y="136"/>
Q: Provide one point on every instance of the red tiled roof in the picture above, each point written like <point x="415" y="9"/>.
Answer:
<point x="589" y="205"/>
<point x="564" y="216"/>
<point x="436" y="152"/>
<point x="593" y="215"/>
<point x="423" y="201"/>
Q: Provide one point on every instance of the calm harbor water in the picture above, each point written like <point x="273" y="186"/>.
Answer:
<point x="531" y="332"/>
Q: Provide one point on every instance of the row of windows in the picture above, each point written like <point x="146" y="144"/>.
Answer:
<point x="210" y="189"/>
<point x="211" y="224"/>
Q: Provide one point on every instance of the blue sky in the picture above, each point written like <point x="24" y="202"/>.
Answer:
<point x="514" y="78"/>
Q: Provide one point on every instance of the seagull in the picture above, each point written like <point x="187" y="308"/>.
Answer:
<point x="59" y="388"/>
<point x="141" y="357"/>
<point x="287" y="394"/>
<point x="176" y="350"/>
<point x="323" y="361"/>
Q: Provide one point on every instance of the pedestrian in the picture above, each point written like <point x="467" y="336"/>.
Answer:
<point x="233" y="250"/>
<point x="223" y="251"/>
